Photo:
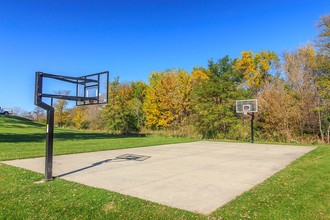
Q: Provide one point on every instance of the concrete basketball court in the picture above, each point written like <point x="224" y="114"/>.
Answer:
<point x="199" y="176"/>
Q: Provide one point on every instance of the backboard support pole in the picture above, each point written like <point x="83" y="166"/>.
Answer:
<point x="49" y="145"/>
<point x="252" y="127"/>
<point x="83" y="81"/>
<point x="50" y="126"/>
<point x="248" y="107"/>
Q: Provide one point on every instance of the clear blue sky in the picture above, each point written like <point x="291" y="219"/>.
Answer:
<point x="133" y="38"/>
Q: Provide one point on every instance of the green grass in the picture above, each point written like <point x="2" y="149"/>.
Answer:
<point x="21" y="138"/>
<point x="20" y="198"/>
<point x="300" y="191"/>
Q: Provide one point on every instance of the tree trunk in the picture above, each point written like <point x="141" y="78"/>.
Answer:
<point x="329" y="133"/>
<point x="320" y="121"/>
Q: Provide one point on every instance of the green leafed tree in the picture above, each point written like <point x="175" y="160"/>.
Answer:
<point x="136" y="104"/>
<point x="214" y="98"/>
<point x="118" y="115"/>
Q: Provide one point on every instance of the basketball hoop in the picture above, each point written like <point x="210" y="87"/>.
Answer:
<point x="245" y="107"/>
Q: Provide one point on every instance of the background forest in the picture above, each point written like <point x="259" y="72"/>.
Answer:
<point x="293" y="92"/>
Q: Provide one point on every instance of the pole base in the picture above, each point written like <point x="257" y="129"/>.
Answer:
<point x="43" y="181"/>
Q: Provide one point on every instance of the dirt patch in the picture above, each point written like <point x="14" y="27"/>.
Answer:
<point x="109" y="207"/>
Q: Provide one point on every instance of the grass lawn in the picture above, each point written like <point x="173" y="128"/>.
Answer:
<point x="21" y="138"/>
<point x="300" y="191"/>
<point x="20" y="198"/>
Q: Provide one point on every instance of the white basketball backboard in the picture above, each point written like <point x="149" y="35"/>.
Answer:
<point x="245" y="106"/>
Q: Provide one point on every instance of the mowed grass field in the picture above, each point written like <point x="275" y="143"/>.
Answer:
<point x="300" y="191"/>
<point x="21" y="138"/>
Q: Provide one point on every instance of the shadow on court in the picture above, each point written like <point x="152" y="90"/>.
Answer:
<point x="121" y="158"/>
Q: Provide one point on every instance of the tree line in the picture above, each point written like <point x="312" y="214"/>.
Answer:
<point x="293" y="92"/>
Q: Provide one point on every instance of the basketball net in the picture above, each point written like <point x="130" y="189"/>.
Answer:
<point x="245" y="111"/>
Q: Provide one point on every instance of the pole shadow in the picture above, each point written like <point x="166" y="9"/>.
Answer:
<point x="121" y="158"/>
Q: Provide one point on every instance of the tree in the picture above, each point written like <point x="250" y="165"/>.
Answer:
<point x="118" y="115"/>
<point x="60" y="107"/>
<point x="167" y="101"/>
<point x="302" y="68"/>
<point x="184" y="97"/>
<point x="278" y="112"/>
<point x="323" y="65"/>
<point x="323" y="88"/>
<point x="199" y="73"/>
<point x="138" y="96"/>
<point x="78" y="117"/>
<point x="323" y="39"/>
<point x="256" y="68"/>
<point x="18" y="111"/>
<point x="39" y="114"/>
<point x="93" y="117"/>
<point x="214" y="98"/>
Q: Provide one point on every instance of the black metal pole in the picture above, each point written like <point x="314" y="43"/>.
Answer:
<point x="50" y="126"/>
<point x="49" y="145"/>
<point x="252" y="130"/>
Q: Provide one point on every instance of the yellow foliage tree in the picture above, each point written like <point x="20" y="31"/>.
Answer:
<point x="256" y="67"/>
<point x="78" y="117"/>
<point x="167" y="101"/>
<point x="61" y="112"/>
<point x="199" y="73"/>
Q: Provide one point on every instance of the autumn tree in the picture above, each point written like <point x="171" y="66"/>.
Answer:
<point x="301" y="68"/>
<point x="277" y="116"/>
<point x="77" y="117"/>
<point x="323" y="69"/>
<point x="322" y="86"/>
<point x="323" y="37"/>
<point x="61" y="111"/>
<point x="167" y="101"/>
<point x="93" y="117"/>
<point x="199" y="74"/>
<point x="257" y="68"/>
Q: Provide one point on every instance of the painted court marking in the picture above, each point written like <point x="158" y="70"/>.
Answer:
<point x="198" y="176"/>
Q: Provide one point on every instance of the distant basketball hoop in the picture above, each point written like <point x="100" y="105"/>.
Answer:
<point x="89" y="90"/>
<point x="246" y="107"/>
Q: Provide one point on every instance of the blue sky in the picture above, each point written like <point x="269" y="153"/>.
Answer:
<point x="133" y="38"/>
